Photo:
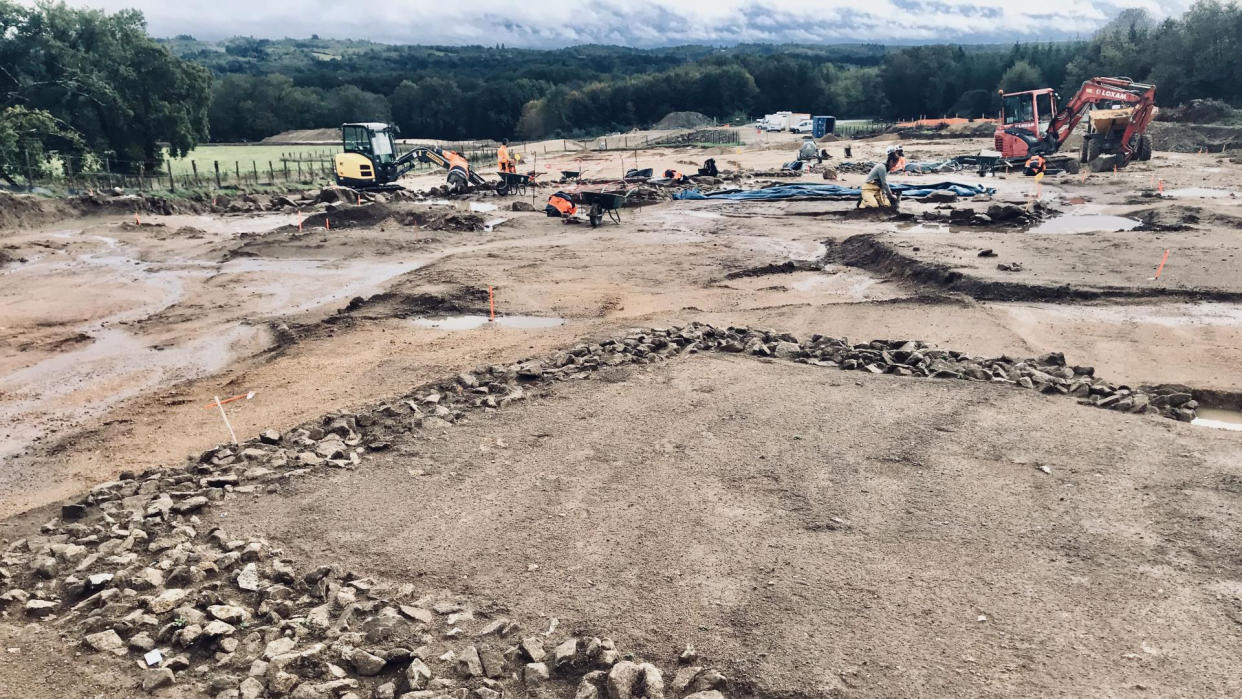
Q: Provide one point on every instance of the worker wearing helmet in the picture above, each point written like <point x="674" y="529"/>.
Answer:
<point x="1035" y="165"/>
<point x="875" y="193"/>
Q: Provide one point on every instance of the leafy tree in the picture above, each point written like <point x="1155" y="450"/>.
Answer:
<point x="102" y="75"/>
<point x="24" y="133"/>
<point x="1021" y="76"/>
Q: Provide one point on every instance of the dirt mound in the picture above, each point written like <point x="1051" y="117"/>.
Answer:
<point x="23" y="209"/>
<point x="1191" y="138"/>
<point x="981" y="129"/>
<point x="305" y="136"/>
<point x="437" y="219"/>
<point x="682" y="120"/>
<point x="1207" y="111"/>
<point x="348" y="217"/>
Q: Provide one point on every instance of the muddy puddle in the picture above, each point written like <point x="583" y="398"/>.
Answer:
<point x="150" y="313"/>
<point x="1085" y="223"/>
<point x="471" y="322"/>
<point x="1219" y="419"/>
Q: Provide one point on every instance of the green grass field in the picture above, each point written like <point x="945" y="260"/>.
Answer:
<point x="249" y="157"/>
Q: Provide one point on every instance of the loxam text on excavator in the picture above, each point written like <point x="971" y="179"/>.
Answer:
<point x="1119" y="112"/>
<point x="370" y="161"/>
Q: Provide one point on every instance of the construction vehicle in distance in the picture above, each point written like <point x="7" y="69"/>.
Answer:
<point x="370" y="161"/>
<point x="1120" y="111"/>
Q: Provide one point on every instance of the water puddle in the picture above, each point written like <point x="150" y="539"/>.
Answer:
<point x="1085" y="223"/>
<point x="1219" y="419"/>
<point x="1199" y="193"/>
<point x="472" y="322"/>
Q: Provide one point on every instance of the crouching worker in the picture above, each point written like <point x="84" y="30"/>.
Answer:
<point x="458" y="171"/>
<point x="1036" y="165"/>
<point x="876" y="193"/>
<point x="709" y="168"/>
<point x="673" y="176"/>
<point x="561" y="205"/>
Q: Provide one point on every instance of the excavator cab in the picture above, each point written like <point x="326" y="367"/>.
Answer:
<point x="1024" y="121"/>
<point x="370" y="155"/>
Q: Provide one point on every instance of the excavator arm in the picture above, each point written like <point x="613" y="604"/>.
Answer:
<point x="431" y="154"/>
<point x="1096" y="91"/>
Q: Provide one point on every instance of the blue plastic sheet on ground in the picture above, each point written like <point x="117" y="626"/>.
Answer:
<point x="833" y="191"/>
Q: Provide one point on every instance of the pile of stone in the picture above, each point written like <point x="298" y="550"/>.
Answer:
<point x="996" y="215"/>
<point x="132" y="565"/>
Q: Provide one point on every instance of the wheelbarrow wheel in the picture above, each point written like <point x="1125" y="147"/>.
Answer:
<point x="520" y="189"/>
<point x="595" y="215"/>
<point x="502" y="188"/>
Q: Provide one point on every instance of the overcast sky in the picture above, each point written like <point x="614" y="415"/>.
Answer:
<point x="644" y="23"/>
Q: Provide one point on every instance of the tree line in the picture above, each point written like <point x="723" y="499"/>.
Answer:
<point x="493" y="92"/>
<point x="95" y="85"/>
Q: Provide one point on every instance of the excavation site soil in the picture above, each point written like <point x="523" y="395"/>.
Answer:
<point x="987" y="445"/>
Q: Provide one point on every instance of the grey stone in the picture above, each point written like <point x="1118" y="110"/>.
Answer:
<point x="156" y="679"/>
<point x="105" y="641"/>
<point x="533" y="647"/>
<point x="367" y="664"/>
<point x="469" y="664"/>
<point x="248" y="579"/>
<point x="535" y="673"/>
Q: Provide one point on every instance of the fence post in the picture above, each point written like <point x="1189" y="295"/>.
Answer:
<point x="217" y="164"/>
<point x="237" y="172"/>
<point x="69" y="171"/>
<point x="285" y="163"/>
<point x="194" y="167"/>
<point x="29" y="174"/>
<point x="255" y="167"/>
<point x="271" y="173"/>
<point x="142" y="176"/>
<point x="300" y="178"/>
<point x="172" y="185"/>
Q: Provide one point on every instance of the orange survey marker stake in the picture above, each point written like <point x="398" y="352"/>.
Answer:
<point x="137" y="221"/>
<point x="1161" y="267"/>
<point x="1160" y="186"/>
<point x="327" y="225"/>
<point x="491" y="304"/>
<point x="300" y="219"/>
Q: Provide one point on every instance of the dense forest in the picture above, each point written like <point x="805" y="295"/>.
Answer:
<point x="96" y="85"/>
<point x="466" y="92"/>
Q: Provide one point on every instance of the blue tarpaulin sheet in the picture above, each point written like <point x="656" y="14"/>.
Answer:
<point x="833" y="191"/>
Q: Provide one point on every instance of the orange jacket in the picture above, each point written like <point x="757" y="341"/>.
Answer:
<point x="503" y="163"/>
<point x="455" y="159"/>
<point x="1036" y="163"/>
<point x="561" y="204"/>
<point x="900" y="165"/>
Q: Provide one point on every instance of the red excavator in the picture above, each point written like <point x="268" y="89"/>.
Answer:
<point x="1120" y="111"/>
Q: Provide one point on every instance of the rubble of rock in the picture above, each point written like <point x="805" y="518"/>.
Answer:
<point x="133" y="569"/>
<point x="999" y="214"/>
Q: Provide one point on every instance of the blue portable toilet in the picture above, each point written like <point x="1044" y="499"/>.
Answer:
<point x="823" y="125"/>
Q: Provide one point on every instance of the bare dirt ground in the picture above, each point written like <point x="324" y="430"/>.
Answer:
<point x="1114" y="572"/>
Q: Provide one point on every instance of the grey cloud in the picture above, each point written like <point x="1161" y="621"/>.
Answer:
<point x="641" y="23"/>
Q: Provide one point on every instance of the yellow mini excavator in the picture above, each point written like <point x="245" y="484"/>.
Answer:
<point x="370" y="161"/>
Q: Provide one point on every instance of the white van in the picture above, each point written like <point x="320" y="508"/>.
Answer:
<point x="803" y="126"/>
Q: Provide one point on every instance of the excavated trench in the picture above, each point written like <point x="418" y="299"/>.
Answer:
<point x="868" y="252"/>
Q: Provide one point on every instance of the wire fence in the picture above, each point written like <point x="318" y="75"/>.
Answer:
<point x="195" y="173"/>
